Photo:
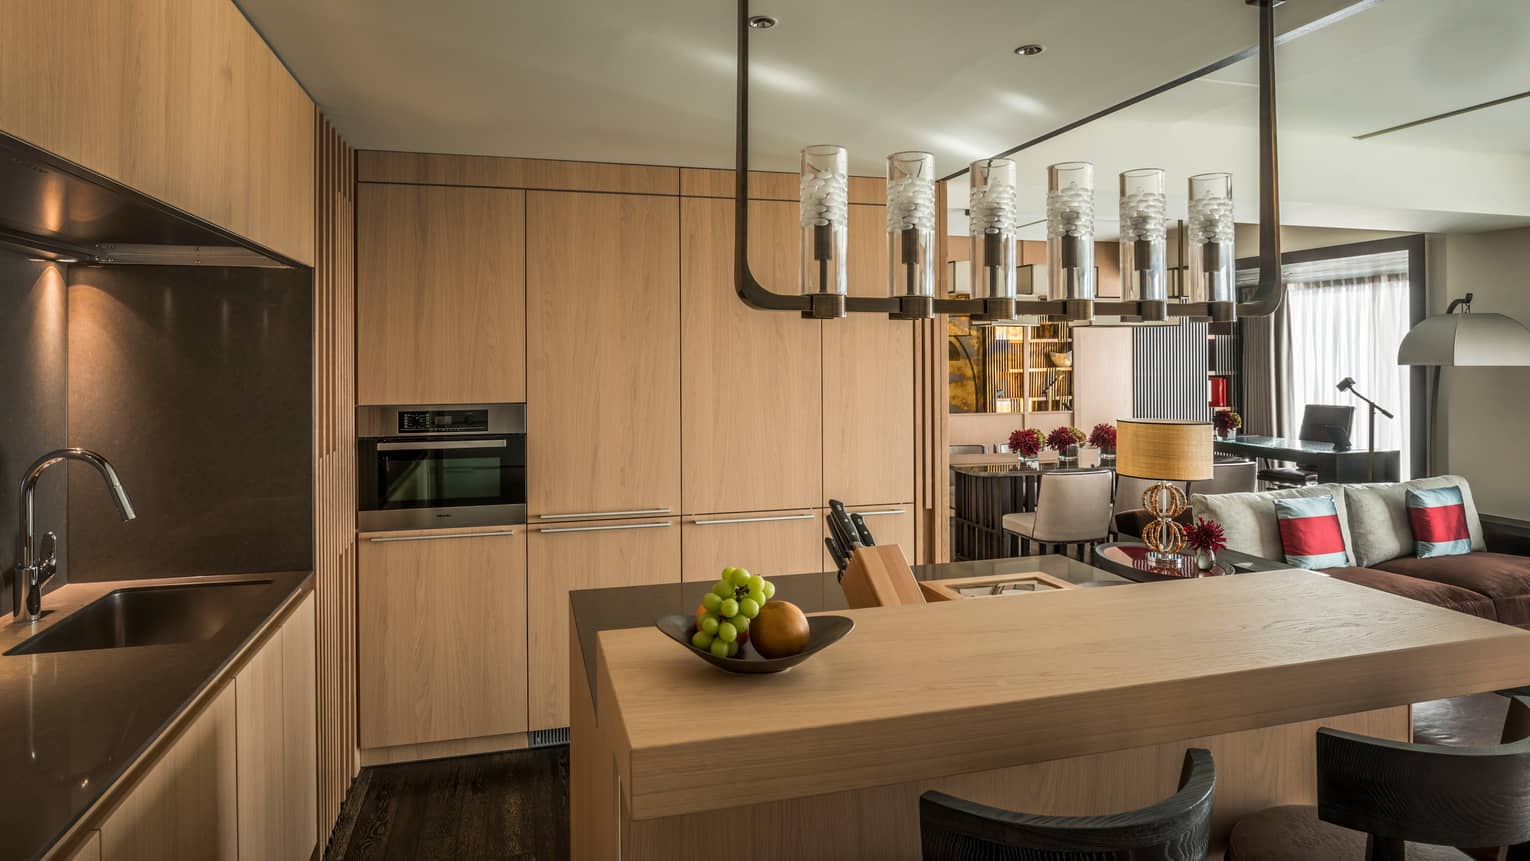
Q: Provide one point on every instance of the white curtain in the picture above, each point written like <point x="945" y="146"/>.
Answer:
<point x="1350" y="327"/>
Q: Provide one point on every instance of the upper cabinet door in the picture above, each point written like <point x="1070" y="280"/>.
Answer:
<point x="868" y="383"/>
<point x="752" y="388"/>
<point x="603" y="314"/>
<point x="440" y="295"/>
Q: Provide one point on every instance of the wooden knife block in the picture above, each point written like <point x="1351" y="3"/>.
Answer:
<point x="880" y="577"/>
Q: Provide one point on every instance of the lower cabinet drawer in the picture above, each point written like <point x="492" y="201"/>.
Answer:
<point x="441" y="637"/>
<point x="567" y="556"/>
<point x="769" y="543"/>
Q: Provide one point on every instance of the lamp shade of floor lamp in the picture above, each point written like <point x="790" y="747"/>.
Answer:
<point x="1457" y="339"/>
<point x="1164" y="451"/>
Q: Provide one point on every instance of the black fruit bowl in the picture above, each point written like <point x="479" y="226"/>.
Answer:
<point x="823" y="632"/>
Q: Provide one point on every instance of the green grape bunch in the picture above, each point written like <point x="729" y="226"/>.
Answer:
<point x="722" y="626"/>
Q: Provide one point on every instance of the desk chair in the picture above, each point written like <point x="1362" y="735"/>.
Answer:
<point x="1389" y="801"/>
<point x="1176" y="829"/>
<point x="1228" y="476"/>
<point x="1316" y="419"/>
<point x="1071" y="508"/>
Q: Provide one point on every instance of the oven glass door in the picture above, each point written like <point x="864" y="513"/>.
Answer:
<point x="418" y="473"/>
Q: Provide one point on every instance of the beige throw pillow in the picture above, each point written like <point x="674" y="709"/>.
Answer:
<point x="1378" y="517"/>
<point x="1248" y="519"/>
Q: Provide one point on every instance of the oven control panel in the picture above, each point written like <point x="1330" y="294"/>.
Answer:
<point x="443" y="421"/>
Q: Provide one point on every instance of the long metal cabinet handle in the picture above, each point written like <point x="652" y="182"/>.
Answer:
<point x="443" y="444"/>
<point x="381" y="539"/>
<point x="720" y="521"/>
<point x="879" y="513"/>
<point x="640" y="512"/>
<point x="613" y="527"/>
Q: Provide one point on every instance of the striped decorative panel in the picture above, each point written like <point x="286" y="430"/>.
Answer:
<point x="1169" y="367"/>
<point x="334" y="391"/>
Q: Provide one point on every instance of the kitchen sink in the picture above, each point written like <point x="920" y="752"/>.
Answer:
<point x="149" y="616"/>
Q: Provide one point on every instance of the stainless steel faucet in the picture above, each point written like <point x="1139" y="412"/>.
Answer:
<point x="38" y="563"/>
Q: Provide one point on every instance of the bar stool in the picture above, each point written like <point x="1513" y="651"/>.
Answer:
<point x="1176" y="829"/>
<point x="1385" y="800"/>
<point x="1071" y="508"/>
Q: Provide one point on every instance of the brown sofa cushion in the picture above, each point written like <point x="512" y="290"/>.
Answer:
<point x="1430" y="592"/>
<point x="1503" y="578"/>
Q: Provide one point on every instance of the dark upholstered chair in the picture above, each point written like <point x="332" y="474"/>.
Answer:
<point x="1390" y="801"/>
<point x="1176" y="829"/>
<point x="1316" y="419"/>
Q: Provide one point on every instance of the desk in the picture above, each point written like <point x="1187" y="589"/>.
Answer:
<point x="1341" y="467"/>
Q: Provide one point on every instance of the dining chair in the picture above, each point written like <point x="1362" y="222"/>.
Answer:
<point x="1230" y="476"/>
<point x="1384" y="800"/>
<point x="1175" y="829"/>
<point x="1316" y="419"/>
<point x="1072" y="507"/>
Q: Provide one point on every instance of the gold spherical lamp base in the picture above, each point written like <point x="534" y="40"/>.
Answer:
<point x="1164" y="536"/>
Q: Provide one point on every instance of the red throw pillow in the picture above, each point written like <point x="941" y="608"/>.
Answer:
<point x="1438" y="518"/>
<point x="1310" y="535"/>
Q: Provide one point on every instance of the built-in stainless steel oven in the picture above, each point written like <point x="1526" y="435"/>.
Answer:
<point x="422" y="467"/>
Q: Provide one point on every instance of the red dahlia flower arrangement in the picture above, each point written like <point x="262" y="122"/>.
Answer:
<point x="1227" y="420"/>
<point x="1206" y="535"/>
<point x="1103" y="436"/>
<point x="1063" y="438"/>
<point x="1025" y="441"/>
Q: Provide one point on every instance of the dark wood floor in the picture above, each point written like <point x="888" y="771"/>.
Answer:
<point x="511" y="806"/>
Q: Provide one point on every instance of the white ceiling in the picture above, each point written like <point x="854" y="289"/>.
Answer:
<point x="653" y="81"/>
<point x="1392" y="63"/>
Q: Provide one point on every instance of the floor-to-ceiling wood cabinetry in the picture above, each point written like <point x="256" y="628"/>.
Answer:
<point x="768" y="543"/>
<point x="752" y="418"/>
<point x="441" y="295"/>
<point x="603" y="346"/>
<point x="442" y="636"/>
<point x="585" y="555"/>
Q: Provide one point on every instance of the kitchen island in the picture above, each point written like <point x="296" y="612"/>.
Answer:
<point x="1077" y="701"/>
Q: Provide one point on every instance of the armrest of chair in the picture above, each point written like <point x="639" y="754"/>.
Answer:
<point x="1506" y="534"/>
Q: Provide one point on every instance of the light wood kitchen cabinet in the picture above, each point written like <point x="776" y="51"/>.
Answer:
<point x="179" y="99"/>
<point x="603" y="406"/>
<point x="278" y="813"/>
<point x="186" y="804"/>
<point x="441" y="648"/>
<point x="768" y="543"/>
<point x="750" y="380"/>
<point x="440" y="295"/>
<point x="889" y="524"/>
<point x="868" y="383"/>
<point x="585" y="555"/>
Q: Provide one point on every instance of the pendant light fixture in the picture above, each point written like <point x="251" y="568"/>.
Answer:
<point x="1144" y="243"/>
<point x="1070" y="236"/>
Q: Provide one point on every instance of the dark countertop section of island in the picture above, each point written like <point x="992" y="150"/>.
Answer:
<point x="596" y="610"/>
<point x="71" y="723"/>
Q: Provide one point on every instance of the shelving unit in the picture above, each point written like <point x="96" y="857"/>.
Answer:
<point x="1024" y="378"/>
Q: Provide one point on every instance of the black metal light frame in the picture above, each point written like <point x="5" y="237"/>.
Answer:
<point x="1266" y="297"/>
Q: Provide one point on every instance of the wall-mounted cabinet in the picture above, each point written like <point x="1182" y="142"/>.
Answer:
<point x="440" y="295"/>
<point x="603" y="345"/>
<point x="751" y="381"/>
<point x="441" y="636"/>
<point x="585" y="555"/>
<point x="180" y="100"/>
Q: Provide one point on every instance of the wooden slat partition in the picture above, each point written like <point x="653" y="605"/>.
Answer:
<point x="932" y="489"/>
<point x="335" y="470"/>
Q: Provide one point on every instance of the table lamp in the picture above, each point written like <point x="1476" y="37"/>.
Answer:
<point x="1163" y="451"/>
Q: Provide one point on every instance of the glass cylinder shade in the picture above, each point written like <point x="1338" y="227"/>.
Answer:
<point x="993" y="224"/>
<point x="1212" y="265"/>
<point x="911" y="224"/>
<point x="824" y="217"/>
<point x="1070" y="230"/>
<point x="1144" y="207"/>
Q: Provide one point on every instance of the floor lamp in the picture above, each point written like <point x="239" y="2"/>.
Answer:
<point x="1458" y="338"/>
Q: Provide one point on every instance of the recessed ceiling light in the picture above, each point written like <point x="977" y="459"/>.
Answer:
<point x="1030" y="50"/>
<point x="762" y="22"/>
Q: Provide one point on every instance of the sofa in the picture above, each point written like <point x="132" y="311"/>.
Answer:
<point x="1379" y="545"/>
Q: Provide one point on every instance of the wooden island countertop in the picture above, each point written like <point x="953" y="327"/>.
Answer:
<point x="922" y="692"/>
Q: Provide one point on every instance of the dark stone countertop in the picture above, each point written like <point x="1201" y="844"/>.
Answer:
<point x="596" y="610"/>
<point x="72" y="722"/>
